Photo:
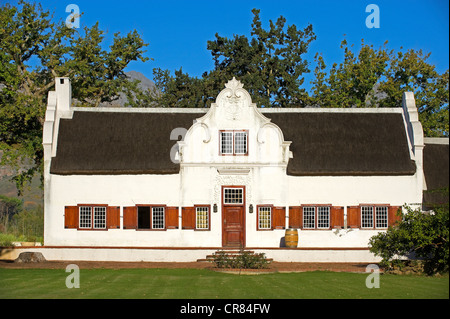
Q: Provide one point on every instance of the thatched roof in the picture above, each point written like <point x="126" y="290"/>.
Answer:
<point x="323" y="143"/>
<point x="436" y="171"/>
<point x="346" y="143"/>
<point x="118" y="143"/>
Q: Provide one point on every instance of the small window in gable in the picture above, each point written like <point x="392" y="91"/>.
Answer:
<point x="233" y="142"/>
<point x="226" y="143"/>
<point x="240" y="143"/>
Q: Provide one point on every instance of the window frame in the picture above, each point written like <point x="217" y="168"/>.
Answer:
<point x="152" y="218"/>
<point x="258" y="215"/>
<point x="328" y="214"/>
<point x="375" y="216"/>
<point x="208" y="216"/>
<point x="233" y="141"/>
<point x="316" y="216"/>
<point x="233" y="187"/>
<point x="221" y="142"/>
<point x="92" y="217"/>
<point x="152" y="206"/>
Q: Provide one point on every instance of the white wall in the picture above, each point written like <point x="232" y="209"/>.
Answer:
<point x="203" y="172"/>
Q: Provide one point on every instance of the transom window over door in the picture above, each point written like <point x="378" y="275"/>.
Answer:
<point x="233" y="142"/>
<point x="233" y="195"/>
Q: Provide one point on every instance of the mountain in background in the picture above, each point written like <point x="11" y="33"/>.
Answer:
<point x="145" y="84"/>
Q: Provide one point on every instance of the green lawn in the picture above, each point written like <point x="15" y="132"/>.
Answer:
<point x="206" y="284"/>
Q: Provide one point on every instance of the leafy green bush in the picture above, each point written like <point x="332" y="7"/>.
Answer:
<point x="242" y="260"/>
<point x="6" y="240"/>
<point x="422" y="236"/>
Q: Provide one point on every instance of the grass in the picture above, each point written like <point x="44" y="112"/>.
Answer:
<point x="206" y="284"/>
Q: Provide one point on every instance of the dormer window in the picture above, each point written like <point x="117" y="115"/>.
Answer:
<point x="233" y="142"/>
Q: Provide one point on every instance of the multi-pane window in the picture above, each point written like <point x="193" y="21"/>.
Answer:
<point x="381" y="217"/>
<point x="374" y="216"/>
<point x="157" y="217"/>
<point x="309" y="217"/>
<point x="85" y="214"/>
<point x="202" y="217"/>
<point x="233" y="142"/>
<point x="240" y="142"/>
<point x="323" y="217"/>
<point x="151" y="217"/>
<point x="367" y="216"/>
<point x="92" y="217"/>
<point x="233" y="195"/>
<point x="264" y="217"/>
<point x="316" y="217"/>
<point x="226" y="143"/>
<point x="99" y="217"/>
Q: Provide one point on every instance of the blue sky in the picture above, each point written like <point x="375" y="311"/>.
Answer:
<point x="177" y="31"/>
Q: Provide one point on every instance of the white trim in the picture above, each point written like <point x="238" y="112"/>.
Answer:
<point x="233" y="171"/>
<point x="261" y="109"/>
<point x="436" y="140"/>
<point x="330" y="110"/>
<point x="139" y="109"/>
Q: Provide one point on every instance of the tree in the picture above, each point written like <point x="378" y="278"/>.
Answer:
<point x="270" y="65"/>
<point x="180" y="90"/>
<point x="350" y="83"/>
<point x="424" y="235"/>
<point x="410" y="71"/>
<point x="378" y="78"/>
<point x="9" y="206"/>
<point x="33" y="51"/>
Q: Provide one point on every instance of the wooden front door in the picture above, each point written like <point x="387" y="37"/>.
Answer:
<point x="233" y="216"/>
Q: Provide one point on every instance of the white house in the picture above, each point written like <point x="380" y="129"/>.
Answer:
<point x="176" y="184"/>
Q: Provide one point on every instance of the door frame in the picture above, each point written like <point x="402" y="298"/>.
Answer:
<point x="233" y="205"/>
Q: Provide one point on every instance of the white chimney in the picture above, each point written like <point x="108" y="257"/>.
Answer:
<point x="63" y="94"/>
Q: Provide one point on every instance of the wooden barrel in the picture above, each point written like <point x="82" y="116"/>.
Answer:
<point x="291" y="238"/>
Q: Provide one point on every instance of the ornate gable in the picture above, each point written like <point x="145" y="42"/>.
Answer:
<point x="234" y="110"/>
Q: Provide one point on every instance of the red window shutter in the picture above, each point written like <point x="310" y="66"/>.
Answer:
<point x="188" y="218"/>
<point x="278" y="217"/>
<point x="295" y="217"/>
<point x="353" y="217"/>
<point x="130" y="217"/>
<point x="71" y="217"/>
<point x="171" y="217"/>
<point x="337" y="217"/>
<point x="394" y="215"/>
<point x="113" y="217"/>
